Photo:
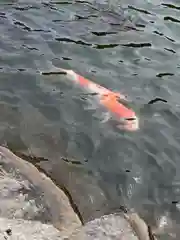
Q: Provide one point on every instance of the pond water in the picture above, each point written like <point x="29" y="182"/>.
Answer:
<point x="128" y="46"/>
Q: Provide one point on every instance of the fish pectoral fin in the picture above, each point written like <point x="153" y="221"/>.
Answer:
<point x="106" y="117"/>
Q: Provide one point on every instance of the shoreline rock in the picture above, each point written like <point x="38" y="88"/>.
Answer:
<point x="28" y="194"/>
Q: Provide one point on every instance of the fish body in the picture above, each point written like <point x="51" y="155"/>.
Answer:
<point x="109" y="99"/>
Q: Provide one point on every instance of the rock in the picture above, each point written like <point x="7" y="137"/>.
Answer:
<point x="106" y="227"/>
<point x="27" y="194"/>
<point x="19" y="229"/>
<point x="110" y="227"/>
<point x="138" y="225"/>
<point x="114" y="227"/>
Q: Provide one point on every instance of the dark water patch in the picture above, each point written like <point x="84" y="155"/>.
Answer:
<point x="30" y="48"/>
<point x="22" y="25"/>
<point x="84" y="2"/>
<point x="79" y="17"/>
<point x="161" y="34"/>
<point x="68" y="40"/>
<point x="21" y="69"/>
<point x="168" y="5"/>
<point x="66" y="58"/>
<point x="83" y="98"/>
<point x="104" y="46"/>
<point x="54" y="73"/>
<point x="132" y="28"/>
<point x="172" y="19"/>
<point x="160" y="75"/>
<point x="41" y="30"/>
<point x="157" y="100"/>
<point x="2" y="15"/>
<point x="62" y="21"/>
<point x="140" y="10"/>
<point x="115" y="24"/>
<point x="25" y="8"/>
<point x="90" y="94"/>
<point x="72" y="161"/>
<point x="147" y="59"/>
<point x="57" y="20"/>
<point x="62" y="2"/>
<point x="140" y="25"/>
<point x="69" y="2"/>
<point x="100" y="34"/>
<point x="170" y="39"/>
<point x="158" y="33"/>
<point x="170" y="50"/>
<point x="137" y="45"/>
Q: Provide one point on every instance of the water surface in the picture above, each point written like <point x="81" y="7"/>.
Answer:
<point x="132" y="47"/>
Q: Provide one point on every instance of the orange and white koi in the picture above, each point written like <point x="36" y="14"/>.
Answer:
<point x="109" y="99"/>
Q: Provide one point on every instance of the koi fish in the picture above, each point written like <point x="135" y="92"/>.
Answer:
<point x="110" y="100"/>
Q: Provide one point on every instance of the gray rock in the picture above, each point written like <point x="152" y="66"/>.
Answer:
<point x="114" y="227"/>
<point x="19" y="229"/>
<point x="27" y="194"/>
<point x="108" y="227"/>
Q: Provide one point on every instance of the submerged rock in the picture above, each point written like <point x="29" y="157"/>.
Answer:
<point x="83" y="188"/>
<point x="27" y="194"/>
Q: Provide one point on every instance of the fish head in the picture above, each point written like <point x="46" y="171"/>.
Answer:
<point x="129" y="124"/>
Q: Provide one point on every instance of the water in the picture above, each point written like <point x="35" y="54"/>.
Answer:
<point x="132" y="48"/>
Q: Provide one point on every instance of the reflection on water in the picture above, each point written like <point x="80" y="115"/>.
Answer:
<point x="134" y="50"/>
